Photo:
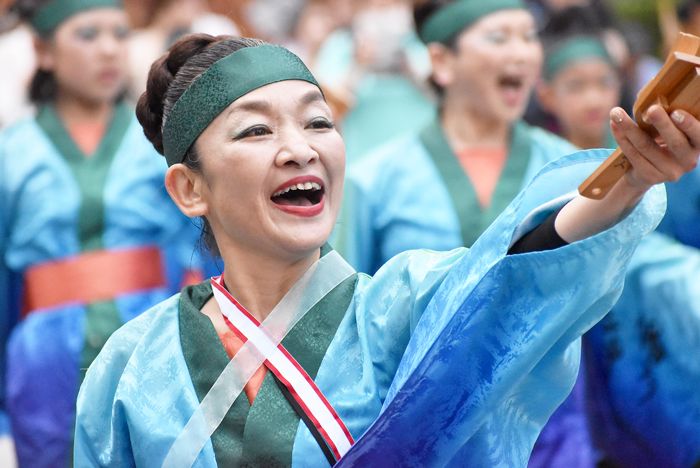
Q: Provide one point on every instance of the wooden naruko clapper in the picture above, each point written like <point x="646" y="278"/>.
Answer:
<point x="676" y="86"/>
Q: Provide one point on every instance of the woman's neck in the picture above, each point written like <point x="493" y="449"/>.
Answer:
<point x="75" y="110"/>
<point x="467" y="128"/>
<point x="259" y="282"/>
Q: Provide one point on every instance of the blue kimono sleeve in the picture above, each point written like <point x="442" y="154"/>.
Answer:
<point x="498" y="346"/>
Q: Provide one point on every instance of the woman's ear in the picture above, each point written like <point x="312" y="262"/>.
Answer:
<point x="186" y="187"/>
<point x="442" y="61"/>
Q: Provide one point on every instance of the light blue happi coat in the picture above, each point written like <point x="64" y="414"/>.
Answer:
<point x="396" y="199"/>
<point x="442" y="359"/>
<point x="40" y="202"/>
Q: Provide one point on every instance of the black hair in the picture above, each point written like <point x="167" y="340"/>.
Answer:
<point x="421" y="12"/>
<point x="43" y="87"/>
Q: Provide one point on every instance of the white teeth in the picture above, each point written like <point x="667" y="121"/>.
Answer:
<point x="304" y="186"/>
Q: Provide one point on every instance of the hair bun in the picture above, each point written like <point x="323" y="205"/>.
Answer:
<point x="149" y="109"/>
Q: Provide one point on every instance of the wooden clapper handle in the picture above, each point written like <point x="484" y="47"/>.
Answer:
<point x="676" y="86"/>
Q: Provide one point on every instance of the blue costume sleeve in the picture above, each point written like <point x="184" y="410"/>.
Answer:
<point x="641" y="361"/>
<point x="510" y="327"/>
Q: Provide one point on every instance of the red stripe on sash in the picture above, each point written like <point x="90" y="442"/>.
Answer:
<point x="217" y="283"/>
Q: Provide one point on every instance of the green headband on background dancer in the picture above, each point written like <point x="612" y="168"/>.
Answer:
<point x="227" y="80"/>
<point x="444" y="24"/>
<point x="47" y="19"/>
<point x="574" y="50"/>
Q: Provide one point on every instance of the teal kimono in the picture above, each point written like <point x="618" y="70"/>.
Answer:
<point x="56" y="203"/>
<point x="413" y="194"/>
<point x="455" y="358"/>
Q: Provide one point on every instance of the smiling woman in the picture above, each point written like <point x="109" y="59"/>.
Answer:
<point x="290" y="358"/>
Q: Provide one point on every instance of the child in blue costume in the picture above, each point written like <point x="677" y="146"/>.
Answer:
<point x="89" y="238"/>
<point x="455" y="358"/>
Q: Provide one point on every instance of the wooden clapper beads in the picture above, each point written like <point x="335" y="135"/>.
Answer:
<point x="676" y="86"/>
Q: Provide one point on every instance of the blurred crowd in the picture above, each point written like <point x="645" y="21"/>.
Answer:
<point x="382" y="83"/>
<point x="366" y="53"/>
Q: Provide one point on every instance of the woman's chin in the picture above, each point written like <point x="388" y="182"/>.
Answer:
<point x="299" y="241"/>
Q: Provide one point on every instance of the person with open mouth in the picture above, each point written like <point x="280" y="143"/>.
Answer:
<point x="474" y="158"/>
<point x="290" y="357"/>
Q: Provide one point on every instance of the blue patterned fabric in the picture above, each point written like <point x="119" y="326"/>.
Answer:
<point x="682" y="220"/>
<point x="40" y="203"/>
<point x="642" y="368"/>
<point x="443" y="359"/>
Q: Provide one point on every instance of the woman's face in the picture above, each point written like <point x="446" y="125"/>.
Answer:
<point x="272" y="171"/>
<point x="495" y="65"/>
<point x="581" y="97"/>
<point x="88" y="55"/>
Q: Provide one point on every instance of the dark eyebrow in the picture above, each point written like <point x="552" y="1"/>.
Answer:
<point x="263" y="106"/>
<point x="260" y="106"/>
<point x="311" y="97"/>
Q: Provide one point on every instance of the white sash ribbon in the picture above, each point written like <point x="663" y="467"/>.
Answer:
<point x="262" y="345"/>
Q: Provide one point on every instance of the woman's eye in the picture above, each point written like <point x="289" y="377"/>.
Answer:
<point x="321" y="123"/>
<point x="258" y="130"/>
<point x="87" y="34"/>
<point x="121" y="32"/>
<point x="532" y="36"/>
<point x="496" y="37"/>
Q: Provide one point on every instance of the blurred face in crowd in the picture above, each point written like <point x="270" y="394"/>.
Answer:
<point x="493" y="65"/>
<point x="272" y="172"/>
<point x="88" y="55"/>
<point x="581" y="97"/>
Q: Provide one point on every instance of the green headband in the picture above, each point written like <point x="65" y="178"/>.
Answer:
<point x="445" y="23"/>
<point x="574" y="50"/>
<point x="47" y="19"/>
<point x="227" y="80"/>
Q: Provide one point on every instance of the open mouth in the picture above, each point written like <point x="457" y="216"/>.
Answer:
<point x="512" y="89"/>
<point x="511" y="82"/>
<point x="301" y="194"/>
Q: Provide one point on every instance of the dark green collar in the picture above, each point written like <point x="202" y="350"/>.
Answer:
<point x="472" y="219"/>
<point x="262" y="434"/>
<point x="90" y="172"/>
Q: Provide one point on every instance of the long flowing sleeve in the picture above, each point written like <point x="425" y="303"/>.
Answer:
<point x="498" y="346"/>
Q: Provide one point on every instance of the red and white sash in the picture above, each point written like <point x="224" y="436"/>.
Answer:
<point x="324" y="275"/>
<point x="287" y="369"/>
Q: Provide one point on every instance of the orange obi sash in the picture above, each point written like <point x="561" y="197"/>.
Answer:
<point x="91" y="277"/>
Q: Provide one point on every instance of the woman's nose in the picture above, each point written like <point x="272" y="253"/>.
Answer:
<point x="296" y="148"/>
<point x="109" y="44"/>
